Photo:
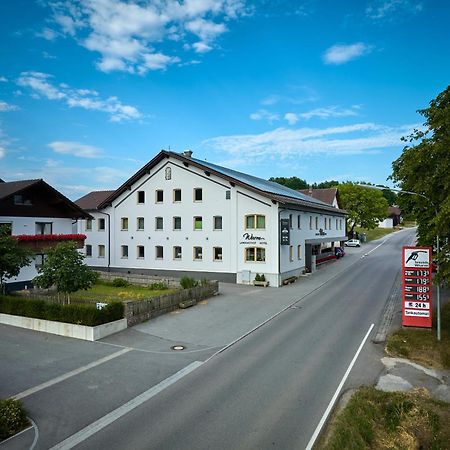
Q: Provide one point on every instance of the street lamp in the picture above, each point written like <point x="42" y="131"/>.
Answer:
<point x="438" y="287"/>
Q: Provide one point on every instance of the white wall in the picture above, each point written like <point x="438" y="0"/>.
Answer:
<point x="386" y="223"/>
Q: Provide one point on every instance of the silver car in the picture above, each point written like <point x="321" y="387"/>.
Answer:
<point x="353" y="243"/>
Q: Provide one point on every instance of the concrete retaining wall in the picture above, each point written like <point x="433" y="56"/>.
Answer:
<point x="142" y="310"/>
<point x="65" y="329"/>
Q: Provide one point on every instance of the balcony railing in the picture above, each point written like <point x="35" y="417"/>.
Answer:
<point x="40" y="242"/>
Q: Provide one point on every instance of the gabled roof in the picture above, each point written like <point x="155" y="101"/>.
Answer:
<point x="394" y="211"/>
<point x="273" y="191"/>
<point x="8" y="189"/>
<point x="326" y="195"/>
<point x="91" y="201"/>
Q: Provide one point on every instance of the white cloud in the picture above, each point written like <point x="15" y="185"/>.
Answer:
<point x="4" y="107"/>
<point x="263" y="114"/>
<point x="381" y="9"/>
<point x="3" y="80"/>
<point x="75" y="149"/>
<point x="40" y="85"/>
<point x="283" y="143"/>
<point x="48" y="34"/>
<point x="330" y="111"/>
<point x="341" y="54"/>
<point x="292" y="118"/>
<point x="128" y="34"/>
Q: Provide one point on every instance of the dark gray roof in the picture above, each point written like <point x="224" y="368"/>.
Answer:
<point x="91" y="201"/>
<point x="13" y="187"/>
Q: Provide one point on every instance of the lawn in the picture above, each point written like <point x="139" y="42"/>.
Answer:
<point x="376" y="233"/>
<point x="105" y="292"/>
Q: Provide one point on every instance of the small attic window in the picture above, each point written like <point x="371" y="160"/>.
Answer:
<point x="168" y="173"/>
<point x="20" y="199"/>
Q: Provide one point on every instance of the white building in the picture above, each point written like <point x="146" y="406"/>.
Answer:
<point x="182" y="216"/>
<point x="38" y="216"/>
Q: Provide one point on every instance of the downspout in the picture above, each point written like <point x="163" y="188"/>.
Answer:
<point x="279" y="243"/>
<point x="109" y="237"/>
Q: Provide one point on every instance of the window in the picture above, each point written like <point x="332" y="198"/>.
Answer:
<point x="325" y="223"/>
<point x="217" y="222"/>
<point x="141" y="197"/>
<point x="329" y="223"/>
<point x="337" y="224"/>
<point x="140" y="223"/>
<point x="198" y="194"/>
<point x="45" y="227"/>
<point x="317" y="223"/>
<point x="101" y="224"/>
<point x="340" y="224"/>
<point x="177" y="252"/>
<point x="38" y="260"/>
<point x="140" y="252"/>
<point x="124" y="251"/>
<point x="299" y="252"/>
<point x="299" y="221"/>
<point x="310" y="222"/>
<point x="124" y="223"/>
<point x="227" y="195"/>
<point x="253" y="254"/>
<point x="88" y="224"/>
<point x="217" y="253"/>
<point x="255" y="221"/>
<point x="198" y="253"/>
<point x="159" y="252"/>
<point x="159" y="195"/>
<point x="198" y="223"/>
<point x="177" y="223"/>
<point x="101" y="251"/>
<point x="291" y="253"/>
<point x="177" y="195"/>
<point x="20" y="199"/>
<point x="168" y="173"/>
<point x="159" y="223"/>
<point x="290" y="221"/>
<point x="6" y="227"/>
<point x="88" y="251"/>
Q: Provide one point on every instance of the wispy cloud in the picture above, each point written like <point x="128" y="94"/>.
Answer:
<point x="341" y="54"/>
<point x="47" y="33"/>
<point x="287" y="143"/>
<point x="263" y="114"/>
<point x="40" y="85"/>
<point x="5" y="107"/>
<point x="128" y="34"/>
<point x="322" y="113"/>
<point x="75" y="149"/>
<point x="388" y="9"/>
<point x="3" y="79"/>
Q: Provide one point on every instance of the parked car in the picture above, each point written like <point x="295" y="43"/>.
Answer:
<point x="339" y="252"/>
<point x="353" y="243"/>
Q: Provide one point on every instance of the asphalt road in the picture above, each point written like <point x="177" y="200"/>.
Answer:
<point x="267" y="390"/>
<point x="270" y="389"/>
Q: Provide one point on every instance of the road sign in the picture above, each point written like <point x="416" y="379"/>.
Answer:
<point x="285" y="232"/>
<point x="416" y="287"/>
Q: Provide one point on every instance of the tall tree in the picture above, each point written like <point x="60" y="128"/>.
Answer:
<point x="12" y="257"/>
<point x="292" y="182"/>
<point x="424" y="168"/>
<point x="64" y="268"/>
<point x="365" y="207"/>
<point x="326" y="184"/>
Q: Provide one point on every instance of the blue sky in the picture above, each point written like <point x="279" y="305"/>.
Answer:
<point x="91" y="90"/>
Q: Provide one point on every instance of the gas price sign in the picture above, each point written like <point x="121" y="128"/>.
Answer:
<point x="416" y="287"/>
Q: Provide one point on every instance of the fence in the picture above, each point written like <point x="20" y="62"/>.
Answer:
<point x="140" y="279"/>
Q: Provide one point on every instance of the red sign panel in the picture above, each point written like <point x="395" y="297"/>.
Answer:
<point x="416" y="287"/>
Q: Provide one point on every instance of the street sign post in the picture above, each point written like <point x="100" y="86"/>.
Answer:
<point x="416" y="287"/>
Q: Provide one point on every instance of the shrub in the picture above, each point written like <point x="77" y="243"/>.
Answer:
<point x="120" y="282"/>
<point x="12" y="418"/>
<point x="187" y="283"/>
<point x="258" y="277"/>
<point x="262" y="278"/>
<point x="87" y="315"/>
<point x="159" y="286"/>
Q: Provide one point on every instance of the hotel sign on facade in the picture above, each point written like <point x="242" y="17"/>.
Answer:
<point x="416" y="287"/>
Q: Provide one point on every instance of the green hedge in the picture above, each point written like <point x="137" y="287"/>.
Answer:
<point x="13" y="418"/>
<point x="80" y="314"/>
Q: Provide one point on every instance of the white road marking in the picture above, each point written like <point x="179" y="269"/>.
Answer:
<point x="70" y="374"/>
<point x="336" y="394"/>
<point x="104" y="421"/>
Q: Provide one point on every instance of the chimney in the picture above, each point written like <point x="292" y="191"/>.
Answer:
<point x="187" y="153"/>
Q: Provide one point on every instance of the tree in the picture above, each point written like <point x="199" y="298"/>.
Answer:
<point x="326" y="184"/>
<point x="365" y="207"/>
<point x="292" y="182"/>
<point x="12" y="257"/>
<point x="64" y="268"/>
<point x="424" y="168"/>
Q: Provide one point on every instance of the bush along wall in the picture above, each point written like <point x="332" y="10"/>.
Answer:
<point x="87" y="315"/>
